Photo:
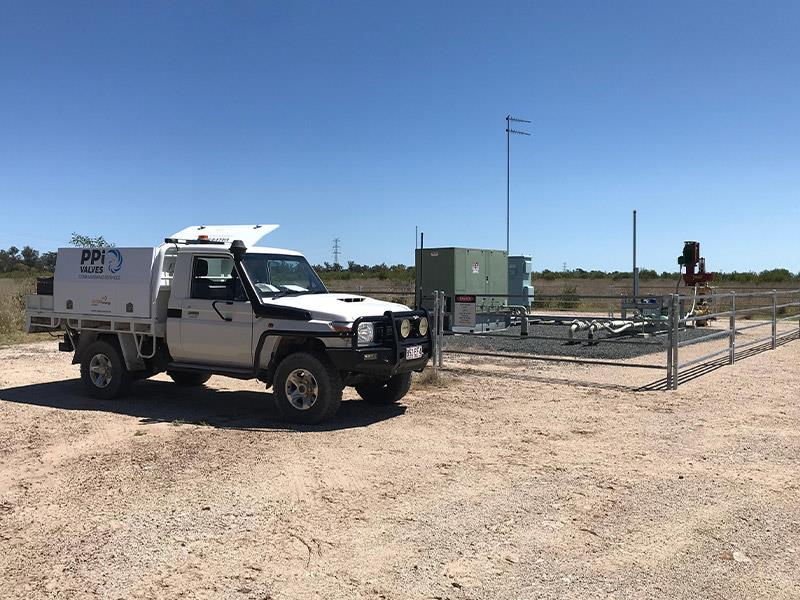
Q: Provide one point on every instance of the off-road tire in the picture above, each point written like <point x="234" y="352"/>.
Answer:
<point x="328" y="383"/>
<point x="103" y="354"/>
<point x="189" y="378"/>
<point x="387" y="391"/>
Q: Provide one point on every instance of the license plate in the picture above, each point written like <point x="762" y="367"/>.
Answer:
<point x="413" y="352"/>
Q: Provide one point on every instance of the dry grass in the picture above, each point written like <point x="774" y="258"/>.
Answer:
<point x="432" y="378"/>
<point x="12" y="310"/>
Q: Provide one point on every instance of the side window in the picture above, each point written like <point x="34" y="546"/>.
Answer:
<point x="212" y="278"/>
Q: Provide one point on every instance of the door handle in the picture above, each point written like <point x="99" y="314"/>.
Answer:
<point x="192" y="313"/>
<point x="216" y="310"/>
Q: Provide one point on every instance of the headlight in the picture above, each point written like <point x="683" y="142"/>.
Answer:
<point x="423" y="326"/>
<point x="365" y="333"/>
<point x="405" y="328"/>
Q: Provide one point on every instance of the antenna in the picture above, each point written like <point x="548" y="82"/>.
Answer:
<point x="509" y="131"/>
<point x="336" y="251"/>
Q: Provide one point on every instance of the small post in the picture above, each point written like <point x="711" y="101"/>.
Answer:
<point x="670" y="331"/>
<point x="676" y="301"/>
<point x="732" y="327"/>
<point x="774" y="319"/>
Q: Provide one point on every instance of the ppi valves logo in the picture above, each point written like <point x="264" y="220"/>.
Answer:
<point x="100" y="264"/>
<point x="114" y="260"/>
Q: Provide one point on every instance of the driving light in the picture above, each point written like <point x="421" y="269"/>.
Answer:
<point x="405" y="328"/>
<point x="423" y="326"/>
<point x="365" y="333"/>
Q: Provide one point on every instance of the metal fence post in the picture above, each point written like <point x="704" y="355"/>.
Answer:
<point x="676" y="322"/>
<point x="732" y="326"/>
<point x="442" y="310"/>
<point x="670" y="318"/>
<point x="435" y="327"/>
<point x="774" y="319"/>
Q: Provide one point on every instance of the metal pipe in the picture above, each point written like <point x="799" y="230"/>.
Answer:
<point x="754" y="342"/>
<point x="753" y="326"/>
<point x="419" y="271"/>
<point x="581" y="361"/>
<point x="508" y="184"/>
<point x="635" y="272"/>
<point x="670" y="333"/>
<point x="774" y="319"/>
<point x="703" y="358"/>
<point x="435" y="326"/>
<point x="732" y="326"/>
<point x="706" y="338"/>
<point x="675" y="335"/>
<point x="442" y="312"/>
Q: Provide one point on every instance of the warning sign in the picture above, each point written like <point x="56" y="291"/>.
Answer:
<point x="464" y="311"/>
<point x="476" y="268"/>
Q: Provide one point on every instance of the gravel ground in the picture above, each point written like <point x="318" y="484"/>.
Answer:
<point x="609" y="347"/>
<point x="556" y="482"/>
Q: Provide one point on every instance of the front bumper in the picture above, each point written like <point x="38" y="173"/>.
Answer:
<point x="388" y="356"/>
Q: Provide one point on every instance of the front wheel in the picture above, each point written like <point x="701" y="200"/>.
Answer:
<point x="387" y="391"/>
<point x="307" y="388"/>
<point x="103" y="371"/>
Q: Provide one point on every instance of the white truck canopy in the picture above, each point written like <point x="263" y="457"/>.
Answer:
<point x="249" y="234"/>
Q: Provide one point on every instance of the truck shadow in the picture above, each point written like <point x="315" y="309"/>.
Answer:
<point x="165" y="402"/>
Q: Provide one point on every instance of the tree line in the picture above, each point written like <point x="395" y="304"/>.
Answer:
<point x="29" y="260"/>
<point x="765" y="276"/>
<point x="399" y="272"/>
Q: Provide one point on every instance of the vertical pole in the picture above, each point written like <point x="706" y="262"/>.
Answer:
<point x="508" y="183"/>
<point x="732" y="327"/>
<point x="442" y="309"/>
<point x="434" y="327"/>
<point x="676" y="300"/>
<point x="419" y="271"/>
<point x="635" y="272"/>
<point x="670" y="332"/>
<point x="774" y="319"/>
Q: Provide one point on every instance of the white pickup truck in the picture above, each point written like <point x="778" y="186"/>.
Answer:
<point x="208" y="301"/>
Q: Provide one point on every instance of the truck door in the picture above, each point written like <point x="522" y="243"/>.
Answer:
<point x="216" y="325"/>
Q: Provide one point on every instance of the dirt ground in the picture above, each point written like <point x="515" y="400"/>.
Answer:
<point x="505" y="481"/>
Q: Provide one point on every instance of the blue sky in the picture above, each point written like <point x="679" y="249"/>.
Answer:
<point x="362" y="120"/>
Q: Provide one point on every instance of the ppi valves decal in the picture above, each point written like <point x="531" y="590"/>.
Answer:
<point x="94" y="263"/>
<point x="115" y="260"/>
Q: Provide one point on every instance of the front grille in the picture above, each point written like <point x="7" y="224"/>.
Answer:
<point x="383" y="332"/>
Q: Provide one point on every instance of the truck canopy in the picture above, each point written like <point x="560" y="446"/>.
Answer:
<point x="249" y="234"/>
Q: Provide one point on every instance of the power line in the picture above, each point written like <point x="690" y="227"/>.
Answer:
<point x="336" y="251"/>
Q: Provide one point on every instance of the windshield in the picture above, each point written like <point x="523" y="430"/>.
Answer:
<point x="275" y="274"/>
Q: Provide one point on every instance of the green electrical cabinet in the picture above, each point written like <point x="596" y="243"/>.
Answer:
<point x="472" y="271"/>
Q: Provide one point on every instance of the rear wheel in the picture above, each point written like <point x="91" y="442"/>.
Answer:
<point x="103" y="371"/>
<point x="307" y="388"/>
<point x="189" y="378"/>
<point x="387" y="391"/>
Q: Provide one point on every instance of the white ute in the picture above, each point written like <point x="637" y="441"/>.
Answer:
<point x="208" y="301"/>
